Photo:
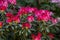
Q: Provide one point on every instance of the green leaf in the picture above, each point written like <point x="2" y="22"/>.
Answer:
<point x="47" y="29"/>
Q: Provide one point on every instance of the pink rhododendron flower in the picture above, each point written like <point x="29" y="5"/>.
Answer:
<point x="30" y="18"/>
<point x="37" y="13"/>
<point x="2" y="8"/>
<point x="12" y="1"/>
<point x="26" y="25"/>
<point x="22" y="11"/>
<point x="3" y="4"/>
<point x="43" y="15"/>
<point x="9" y="20"/>
<point x="16" y="19"/>
<point x="30" y="9"/>
<point x="36" y="37"/>
<point x="47" y="12"/>
<point x="9" y="15"/>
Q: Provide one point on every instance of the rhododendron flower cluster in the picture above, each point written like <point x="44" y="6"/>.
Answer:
<point x="36" y="37"/>
<point x="11" y="18"/>
<point x="28" y="23"/>
<point x="30" y="15"/>
<point x="4" y="3"/>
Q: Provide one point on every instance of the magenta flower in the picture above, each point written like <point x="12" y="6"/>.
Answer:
<point x="30" y="9"/>
<point x="3" y="4"/>
<point x="9" y="20"/>
<point x="36" y="37"/>
<point x="22" y="11"/>
<point x="12" y="1"/>
<point x="37" y="13"/>
<point x="43" y="15"/>
<point x="30" y="18"/>
<point x="16" y="19"/>
<point x="26" y="25"/>
<point x="9" y="15"/>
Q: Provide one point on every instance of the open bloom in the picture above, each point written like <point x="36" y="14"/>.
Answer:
<point x="30" y="18"/>
<point x="1" y="24"/>
<point x="26" y="25"/>
<point x="16" y="19"/>
<point x="43" y="15"/>
<point x="30" y="9"/>
<point x="9" y="15"/>
<point x="36" y="37"/>
<point x="12" y="1"/>
<point x="9" y="20"/>
<point x="3" y="4"/>
<point x="22" y="11"/>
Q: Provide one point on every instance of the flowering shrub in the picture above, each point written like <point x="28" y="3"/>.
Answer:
<point x="28" y="23"/>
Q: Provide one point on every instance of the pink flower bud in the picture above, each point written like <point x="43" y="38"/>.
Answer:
<point x="1" y="24"/>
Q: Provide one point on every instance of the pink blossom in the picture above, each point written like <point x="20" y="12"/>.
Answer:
<point x="30" y="18"/>
<point x="22" y="11"/>
<point x="9" y="20"/>
<point x="26" y="25"/>
<point x="43" y="15"/>
<point x="9" y="15"/>
<point x="30" y="9"/>
<point x="2" y="8"/>
<point x="36" y="37"/>
<point x="3" y="4"/>
<point x="16" y="19"/>
<point x="37" y="13"/>
<point x="12" y="1"/>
